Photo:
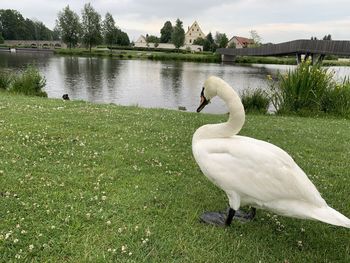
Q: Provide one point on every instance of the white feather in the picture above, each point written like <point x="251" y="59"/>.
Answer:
<point x="254" y="172"/>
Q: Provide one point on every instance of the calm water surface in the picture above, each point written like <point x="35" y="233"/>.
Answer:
<point x="155" y="84"/>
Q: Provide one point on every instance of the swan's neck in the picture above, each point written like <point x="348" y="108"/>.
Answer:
<point x="234" y="123"/>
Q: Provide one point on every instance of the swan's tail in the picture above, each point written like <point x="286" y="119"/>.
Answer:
<point x="331" y="216"/>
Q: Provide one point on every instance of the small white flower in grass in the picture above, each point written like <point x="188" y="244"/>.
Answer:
<point x="31" y="247"/>
<point x="7" y="235"/>
<point x="17" y="256"/>
<point x="148" y="232"/>
<point x="53" y="227"/>
<point x="15" y="240"/>
<point x="18" y="226"/>
<point x="136" y="228"/>
<point x="109" y="222"/>
<point x="144" y="241"/>
<point x="130" y="253"/>
<point x="109" y="250"/>
<point x="120" y="230"/>
<point x="88" y="215"/>
<point x="124" y="248"/>
<point x="103" y="198"/>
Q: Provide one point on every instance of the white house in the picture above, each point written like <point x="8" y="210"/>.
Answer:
<point x="193" y="33"/>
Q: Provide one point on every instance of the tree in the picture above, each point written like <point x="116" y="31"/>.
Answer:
<point x="221" y="40"/>
<point x="166" y="32"/>
<point x="109" y="30"/>
<point x="1" y="39"/>
<point x="69" y="26"/>
<point x="256" y="38"/>
<point x="210" y="43"/>
<point x="12" y="24"/>
<point x="327" y="37"/>
<point x="199" y="41"/>
<point x="122" y="38"/>
<point x="152" y="39"/>
<point x="178" y="35"/>
<point x="14" y="27"/>
<point x="91" y="26"/>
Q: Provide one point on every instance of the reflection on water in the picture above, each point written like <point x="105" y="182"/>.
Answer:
<point x="141" y="82"/>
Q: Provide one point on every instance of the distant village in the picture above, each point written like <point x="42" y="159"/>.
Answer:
<point x="91" y="30"/>
<point x="194" y="32"/>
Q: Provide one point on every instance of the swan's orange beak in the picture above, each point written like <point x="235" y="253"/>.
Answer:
<point x="203" y="103"/>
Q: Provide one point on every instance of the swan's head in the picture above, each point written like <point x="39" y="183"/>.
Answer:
<point x="209" y="91"/>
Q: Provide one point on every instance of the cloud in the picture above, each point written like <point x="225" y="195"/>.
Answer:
<point x="275" y="20"/>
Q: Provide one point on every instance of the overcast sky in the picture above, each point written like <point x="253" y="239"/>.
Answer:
<point x="274" y="20"/>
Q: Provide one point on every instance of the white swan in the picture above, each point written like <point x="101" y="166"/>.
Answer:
<point x="253" y="172"/>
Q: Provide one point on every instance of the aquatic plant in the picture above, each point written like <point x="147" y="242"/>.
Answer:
<point x="255" y="101"/>
<point x="30" y="82"/>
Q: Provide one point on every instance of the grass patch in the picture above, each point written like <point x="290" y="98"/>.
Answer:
<point x="81" y="182"/>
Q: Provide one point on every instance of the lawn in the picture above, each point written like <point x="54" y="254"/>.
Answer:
<point x="82" y="182"/>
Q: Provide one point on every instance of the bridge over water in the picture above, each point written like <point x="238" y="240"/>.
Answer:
<point x="316" y="49"/>
<point x="35" y="43"/>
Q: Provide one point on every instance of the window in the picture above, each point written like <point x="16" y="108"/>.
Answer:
<point x="190" y="40"/>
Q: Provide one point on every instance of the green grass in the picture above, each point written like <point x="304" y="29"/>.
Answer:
<point x="80" y="181"/>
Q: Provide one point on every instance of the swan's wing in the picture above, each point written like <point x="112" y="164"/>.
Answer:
<point x="254" y="169"/>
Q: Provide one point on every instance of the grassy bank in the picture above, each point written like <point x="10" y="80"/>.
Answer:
<point x="137" y="54"/>
<point x="183" y="56"/>
<point x="83" y="182"/>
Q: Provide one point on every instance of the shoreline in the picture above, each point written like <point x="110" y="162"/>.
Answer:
<point x="202" y="57"/>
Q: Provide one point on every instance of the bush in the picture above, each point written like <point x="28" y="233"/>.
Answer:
<point x="337" y="100"/>
<point x="255" y="101"/>
<point x="5" y="80"/>
<point x="302" y="89"/>
<point x="30" y="82"/>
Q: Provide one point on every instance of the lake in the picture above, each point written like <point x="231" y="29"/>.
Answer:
<point x="145" y="83"/>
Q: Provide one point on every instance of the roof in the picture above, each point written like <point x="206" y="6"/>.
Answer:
<point x="193" y="25"/>
<point x="243" y="40"/>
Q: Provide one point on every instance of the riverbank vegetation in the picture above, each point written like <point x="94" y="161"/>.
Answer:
<point x="86" y="182"/>
<point x="28" y="82"/>
<point x="143" y="53"/>
<point x="306" y="90"/>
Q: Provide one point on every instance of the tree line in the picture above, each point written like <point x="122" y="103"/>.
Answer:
<point x="13" y="26"/>
<point x="89" y="29"/>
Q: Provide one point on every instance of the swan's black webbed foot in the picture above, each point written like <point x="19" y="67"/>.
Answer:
<point x="245" y="217"/>
<point x="218" y="218"/>
<point x="225" y="218"/>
